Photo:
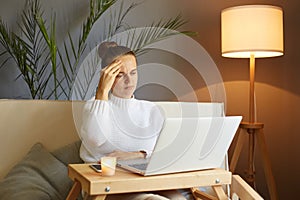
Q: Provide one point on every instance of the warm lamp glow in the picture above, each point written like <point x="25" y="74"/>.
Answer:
<point x="252" y="29"/>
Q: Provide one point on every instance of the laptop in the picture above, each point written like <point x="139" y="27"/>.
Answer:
<point x="187" y="144"/>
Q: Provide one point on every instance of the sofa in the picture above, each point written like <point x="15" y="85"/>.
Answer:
<point x="39" y="138"/>
<point x="38" y="141"/>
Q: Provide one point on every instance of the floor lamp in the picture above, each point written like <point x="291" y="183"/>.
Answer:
<point x="252" y="31"/>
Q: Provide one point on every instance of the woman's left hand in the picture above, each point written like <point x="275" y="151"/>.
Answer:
<point x="122" y="155"/>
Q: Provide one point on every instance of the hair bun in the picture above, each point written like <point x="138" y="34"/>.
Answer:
<point x="104" y="46"/>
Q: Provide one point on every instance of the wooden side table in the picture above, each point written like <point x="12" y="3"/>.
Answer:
<point x="97" y="186"/>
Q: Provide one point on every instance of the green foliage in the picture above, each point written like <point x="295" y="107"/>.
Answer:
<point x="28" y="50"/>
<point x="49" y="71"/>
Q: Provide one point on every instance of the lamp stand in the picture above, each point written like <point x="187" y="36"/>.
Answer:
<point x="254" y="130"/>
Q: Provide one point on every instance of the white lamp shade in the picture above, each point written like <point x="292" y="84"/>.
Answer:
<point x="252" y="29"/>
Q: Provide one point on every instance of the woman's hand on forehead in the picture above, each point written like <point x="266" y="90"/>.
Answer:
<point x="107" y="78"/>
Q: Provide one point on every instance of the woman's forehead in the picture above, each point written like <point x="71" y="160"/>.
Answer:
<point x="128" y="63"/>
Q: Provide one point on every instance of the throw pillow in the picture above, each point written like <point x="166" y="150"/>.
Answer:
<point x="69" y="153"/>
<point x="39" y="176"/>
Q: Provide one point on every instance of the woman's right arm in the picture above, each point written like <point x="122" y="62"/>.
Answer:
<point x="96" y="119"/>
<point x="94" y="127"/>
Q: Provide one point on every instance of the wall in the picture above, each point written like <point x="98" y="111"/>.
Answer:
<point x="277" y="89"/>
<point x="277" y="82"/>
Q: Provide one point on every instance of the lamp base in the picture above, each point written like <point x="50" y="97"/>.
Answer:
<point x="254" y="130"/>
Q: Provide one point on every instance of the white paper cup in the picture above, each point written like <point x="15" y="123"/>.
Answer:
<point x="108" y="166"/>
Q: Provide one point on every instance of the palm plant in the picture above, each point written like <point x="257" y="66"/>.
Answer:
<point x="28" y="51"/>
<point x="40" y="60"/>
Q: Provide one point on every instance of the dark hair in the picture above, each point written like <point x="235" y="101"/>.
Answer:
<point x="109" y="51"/>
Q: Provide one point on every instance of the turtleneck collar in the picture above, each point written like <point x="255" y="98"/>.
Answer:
<point x="120" y="102"/>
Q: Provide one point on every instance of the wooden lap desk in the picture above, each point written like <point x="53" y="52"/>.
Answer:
<point x="97" y="186"/>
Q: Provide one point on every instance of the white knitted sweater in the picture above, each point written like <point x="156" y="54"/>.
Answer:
<point x="118" y="124"/>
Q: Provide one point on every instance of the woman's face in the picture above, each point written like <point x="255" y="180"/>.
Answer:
<point x="126" y="81"/>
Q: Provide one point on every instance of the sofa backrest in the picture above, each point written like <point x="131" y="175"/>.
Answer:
<point x="26" y="122"/>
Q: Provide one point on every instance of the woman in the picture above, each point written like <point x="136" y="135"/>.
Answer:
<point x="115" y="123"/>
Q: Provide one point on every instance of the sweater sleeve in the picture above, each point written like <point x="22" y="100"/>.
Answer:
<point x="95" y="125"/>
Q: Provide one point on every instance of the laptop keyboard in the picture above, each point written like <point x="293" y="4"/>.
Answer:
<point x="140" y="166"/>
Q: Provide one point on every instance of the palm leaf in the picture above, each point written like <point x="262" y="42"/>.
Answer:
<point x="51" y="42"/>
<point x="28" y="50"/>
<point x="138" y="38"/>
